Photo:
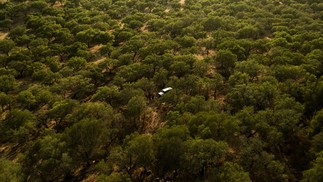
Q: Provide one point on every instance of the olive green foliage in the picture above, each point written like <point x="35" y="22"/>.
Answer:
<point x="80" y="85"/>
<point x="10" y="171"/>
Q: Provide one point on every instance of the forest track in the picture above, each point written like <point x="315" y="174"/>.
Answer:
<point x="152" y="120"/>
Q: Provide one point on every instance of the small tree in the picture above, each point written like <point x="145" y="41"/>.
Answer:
<point x="225" y="62"/>
<point x="6" y="45"/>
<point x="7" y="83"/>
<point x="5" y="100"/>
<point x="315" y="173"/>
<point x="10" y="171"/>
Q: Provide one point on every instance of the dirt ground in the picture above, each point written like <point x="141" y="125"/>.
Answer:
<point x="100" y="60"/>
<point x="3" y="35"/>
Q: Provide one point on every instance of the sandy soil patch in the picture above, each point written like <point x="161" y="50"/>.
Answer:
<point x="144" y="28"/>
<point x="96" y="48"/>
<point x="3" y="35"/>
<point x="58" y="4"/>
<point x="199" y="57"/>
<point x="100" y="60"/>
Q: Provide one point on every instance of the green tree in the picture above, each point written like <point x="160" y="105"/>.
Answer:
<point x="39" y="48"/>
<point x="248" y="32"/>
<point x="147" y="86"/>
<point x="10" y="171"/>
<point x="315" y="95"/>
<point x="45" y="76"/>
<point x="180" y="68"/>
<point x="230" y="171"/>
<point x="225" y="62"/>
<point x="259" y="95"/>
<point x="200" y="156"/>
<point x="240" y="48"/>
<point x="196" y="104"/>
<point x="251" y="67"/>
<point x="133" y="45"/>
<point x="76" y="63"/>
<point x="160" y="78"/>
<point x="114" y="177"/>
<point x="60" y="109"/>
<point x="137" y="152"/>
<point x="18" y="126"/>
<point x="26" y="99"/>
<point x="107" y="94"/>
<point x="212" y="125"/>
<point x="316" y="124"/>
<point x="92" y="110"/>
<point x="135" y="71"/>
<point x="7" y="83"/>
<point x="5" y="101"/>
<point x="315" y="172"/>
<point x="209" y="44"/>
<point x="155" y="24"/>
<point x="135" y="108"/>
<point x="48" y="159"/>
<point x="213" y="23"/>
<point x="260" y="164"/>
<point x="169" y="143"/>
<point x="6" y="45"/>
<point x="87" y="139"/>
<point x="21" y="60"/>
<point x="186" y="41"/>
<point x="93" y="36"/>
<point x="75" y="87"/>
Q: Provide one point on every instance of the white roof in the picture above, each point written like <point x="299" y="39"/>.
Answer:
<point x="167" y="89"/>
<point x="160" y="93"/>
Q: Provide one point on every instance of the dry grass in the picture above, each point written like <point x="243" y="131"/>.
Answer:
<point x="268" y="38"/>
<point x="4" y="148"/>
<point x="58" y="4"/>
<point x="182" y="2"/>
<point x="51" y="124"/>
<point x="3" y="35"/>
<point x="211" y="70"/>
<point x="199" y="57"/>
<point x="3" y="115"/>
<point x="90" y="178"/>
<point x="151" y="120"/>
<point x="212" y="53"/>
<point x="202" y="55"/>
<point x="100" y="60"/>
<point x="96" y="48"/>
<point x="144" y="28"/>
<point x="121" y="25"/>
<point x="167" y="10"/>
<point x="221" y="99"/>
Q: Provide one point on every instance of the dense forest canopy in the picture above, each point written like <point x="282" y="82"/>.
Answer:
<point x="79" y="83"/>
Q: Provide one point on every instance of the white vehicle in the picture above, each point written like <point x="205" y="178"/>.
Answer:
<point x="165" y="90"/>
